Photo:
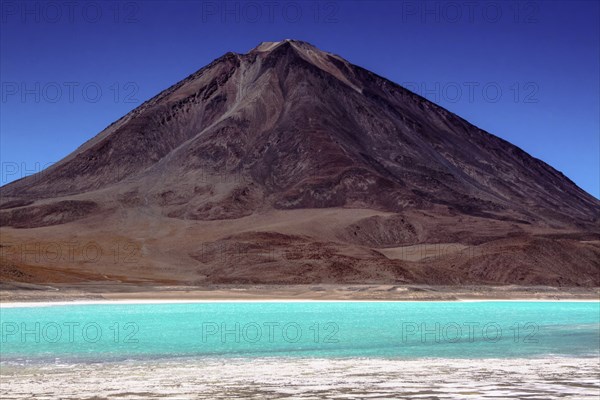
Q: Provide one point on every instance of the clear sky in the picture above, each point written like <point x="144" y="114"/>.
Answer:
<point x="525" y="71"/>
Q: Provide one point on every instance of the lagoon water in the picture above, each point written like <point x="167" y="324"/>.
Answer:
<point x="302" y="350"/>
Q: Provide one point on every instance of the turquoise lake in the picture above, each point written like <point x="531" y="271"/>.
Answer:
<point x="405" y="330"/>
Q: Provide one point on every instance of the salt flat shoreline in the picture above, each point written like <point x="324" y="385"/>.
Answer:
<point x="549" y="378"/>
<point x="13" y="295"/>
<point x="162" y="301"/>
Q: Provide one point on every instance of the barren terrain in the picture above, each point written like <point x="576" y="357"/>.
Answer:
<point x="290" y="166"/>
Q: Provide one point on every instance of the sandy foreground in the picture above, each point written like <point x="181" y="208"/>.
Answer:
<point x="17" y="293"/>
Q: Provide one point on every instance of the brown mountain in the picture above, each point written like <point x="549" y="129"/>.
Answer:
<point x="288" y="164"/>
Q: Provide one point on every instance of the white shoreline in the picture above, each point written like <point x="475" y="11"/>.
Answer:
<point x="547" y="377"/>
<point x="32" y="304"/>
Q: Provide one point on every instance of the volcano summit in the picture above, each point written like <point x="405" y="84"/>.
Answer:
<point x="290" y="165"/>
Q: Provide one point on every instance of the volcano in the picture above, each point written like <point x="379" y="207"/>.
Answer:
<point x="291" y="165"/>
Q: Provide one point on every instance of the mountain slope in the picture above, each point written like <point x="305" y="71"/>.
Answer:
<point x="290" y="130"/>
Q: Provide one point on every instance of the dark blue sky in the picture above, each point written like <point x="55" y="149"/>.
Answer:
<point x="525" y="71"/>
